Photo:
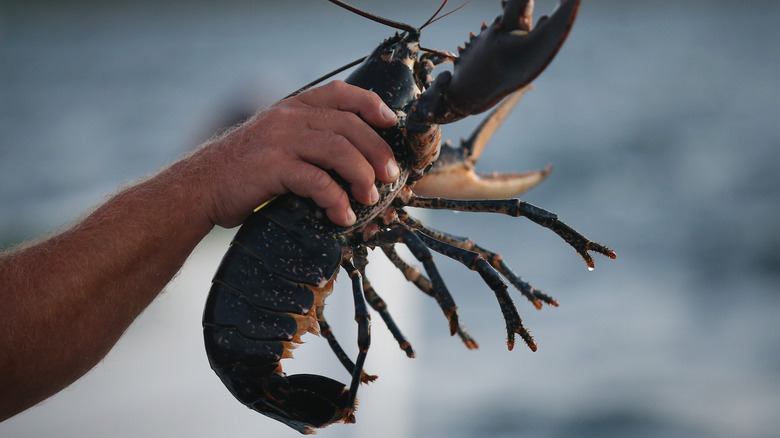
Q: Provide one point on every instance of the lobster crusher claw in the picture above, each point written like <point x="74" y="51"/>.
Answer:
<point x="504" y="57"/>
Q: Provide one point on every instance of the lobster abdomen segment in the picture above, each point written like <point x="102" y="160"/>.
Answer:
<point x="228" y="308"/>
<point x="292" y="239"/>
<point x="242" y="271"/>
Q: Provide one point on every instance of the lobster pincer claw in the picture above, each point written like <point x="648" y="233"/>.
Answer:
<point x="453" y="174"/>
<point x="506" y="55"/>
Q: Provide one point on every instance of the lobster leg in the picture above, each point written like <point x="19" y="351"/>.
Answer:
<point x="401" y="234"/>
<point x="475" y="262"/>
<point x="377" y="303"/>
<point x="363" y="320"/>
<point x="327" y="333"/>
<point x="415" y="276"/>
<point x="516" y="208"/>
<point x="411" y="273"/>
<point x="534" y="295"/>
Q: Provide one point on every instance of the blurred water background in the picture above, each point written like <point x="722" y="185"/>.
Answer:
<point x="660" y="118"/>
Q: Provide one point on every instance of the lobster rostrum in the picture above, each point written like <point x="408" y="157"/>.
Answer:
<point x="271" y="286"/>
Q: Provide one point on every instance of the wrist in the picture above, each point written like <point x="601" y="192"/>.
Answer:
<point x="178" y="195"/>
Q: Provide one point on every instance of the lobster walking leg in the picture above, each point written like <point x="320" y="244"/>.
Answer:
<point x="410" y="272"/>
<point x="364" y="336"/>
<point x="475" y="262"/>
<point x="421" y="281"/>
<point x="377" y="303"/>
<point x="327" y="333"/>
<point x="516" y="208"/>
<point x="534" y="295"/>
<point x="401" y="234"/>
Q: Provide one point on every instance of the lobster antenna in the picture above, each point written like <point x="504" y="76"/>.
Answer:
<point x="386" y="21"/>
<point x="434" y="17"/>
<point x="394" y="24"/>
<point x="322" y="78"/>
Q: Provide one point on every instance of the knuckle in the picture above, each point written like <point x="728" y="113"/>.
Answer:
<point x="336" y="144"/>
<point x="382" y="148"/>
<point x="340" y="199"/>
<point x="285" y="112"/>
<point x="322" y="182"/>
<point x="351" y="119"/>
<point x="330" y="194"/>
<point x="336" y="86"/>
<point x="339" y="84"/>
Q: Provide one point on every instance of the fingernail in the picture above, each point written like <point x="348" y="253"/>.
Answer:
<point x="351" y="218"/>
<point x="387" y="112"/>
<point x="392" y="169"/>
<point x="374" y="195"/>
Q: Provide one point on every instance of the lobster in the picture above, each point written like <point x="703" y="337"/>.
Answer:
<point x="271" y="285"/>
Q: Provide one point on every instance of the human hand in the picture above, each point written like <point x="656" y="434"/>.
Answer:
<point x="289" y="147"/>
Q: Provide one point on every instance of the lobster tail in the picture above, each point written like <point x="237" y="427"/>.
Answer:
<point x="262" y="301"/>
<point x="309" y="401"/>
<point x="302" y="401"/>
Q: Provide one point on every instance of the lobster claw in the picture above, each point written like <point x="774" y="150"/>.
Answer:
<point x="504" y="57"/>
<point x="453" y="174"/>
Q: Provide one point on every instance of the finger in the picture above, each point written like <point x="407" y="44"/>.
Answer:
<point x="312" y="182"/>
<point x="334" y="151"/>
<point x="345" y="97"/>
<point x="334" y="124"/>
<point x="348" y="100"/>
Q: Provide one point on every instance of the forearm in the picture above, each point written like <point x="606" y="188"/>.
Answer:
<point x="68" y="299"/>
